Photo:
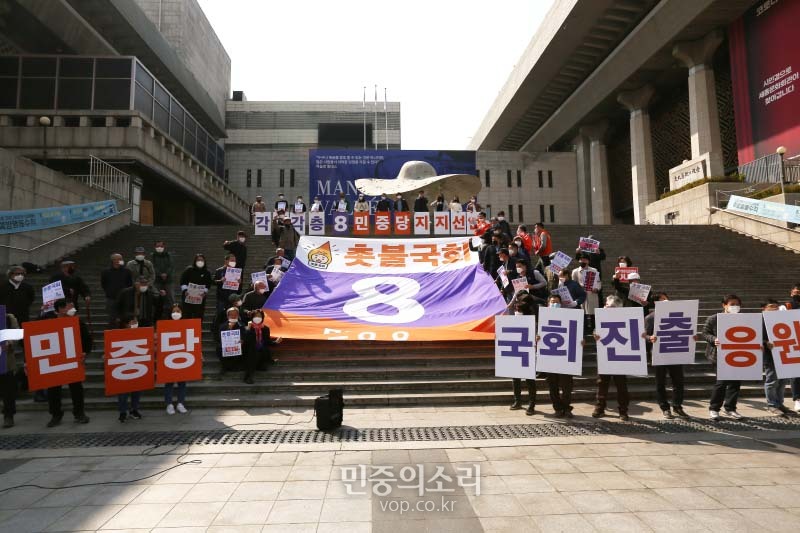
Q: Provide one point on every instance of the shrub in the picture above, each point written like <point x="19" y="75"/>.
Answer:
<point x="734" y="178"/>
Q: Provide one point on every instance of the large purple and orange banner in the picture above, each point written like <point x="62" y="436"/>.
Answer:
<point x="401" y="290"/>
<point x="765" y="69"/>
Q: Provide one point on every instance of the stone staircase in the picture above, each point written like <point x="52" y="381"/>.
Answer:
<point x="688" y="262"/>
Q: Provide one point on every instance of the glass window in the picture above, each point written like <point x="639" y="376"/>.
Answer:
<point x="249" y="179"/>
<point x="541" y="179"/>
<point x="519" y="179"/>
<point x="8" y="93"/>
<point x="9" y="66"/>
<point x="550" y="179"/>
<point x="144" y="78"/>
<point x="520" y="218"/>
<point x="488" y="178"/>
<point x="258" y="178"/>
<point x="75" y="68"/>
<point x="291" y="177"/>
<point x="143" y="102"/>
<point x="38" y="93"/>
<point x="282" y="180"/>
<point x="508" y="177"/>
<point x="112" y="94"/>
<point x="113" y="68"/>
<point x="176" y="110"/>
<point x="74" y="93"/>
<point x="190" y="142"/>
<point x="161" y="118"/>
<point x="39" y="67"/>
<point x="552" y="213"/>
<point x="161" y="95"/>
<point x="541" y="212"/>
<point x="510" y="213"/>
<point x="176" y="129"/>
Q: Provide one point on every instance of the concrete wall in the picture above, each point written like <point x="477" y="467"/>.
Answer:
<point x="759" y="228"/>
<point x="184" y="25"/>
<point x="692" y="206"/>
<point x="238" y="159"/>
<point x="28" y="185"/>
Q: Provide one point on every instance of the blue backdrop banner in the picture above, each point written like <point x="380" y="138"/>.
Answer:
<point x="52" y="217"/>
<point x="333" y="171"/>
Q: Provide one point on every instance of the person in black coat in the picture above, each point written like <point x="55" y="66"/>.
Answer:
<point x="384" y="205"/>
<point x="114" y="280"/>
<point x="255" y="299"/>
<point x="502" y="224"/>
<point x="219" y="280"/>
<point x="421" y="203"/>
<point x="256" y="345"/>
<point x="138" y="303"/>
<point x="232" y="322"/>
<point x="198" y="274"/>
<point x="17" y="294"/>
<point x="63" y="308"/>
<point x="725" y="394"/>
<point x="400" y="205"/>
<point x="238" y="248"/>
<point x="440" y="204"/>
<point x="73" y="285"/>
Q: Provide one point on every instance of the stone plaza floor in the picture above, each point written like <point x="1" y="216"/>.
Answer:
<point x="731" y="477"/>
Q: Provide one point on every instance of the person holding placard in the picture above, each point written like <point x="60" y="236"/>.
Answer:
<point x="225" y="286"/>
<point x="281" y="204"/>
<point x="138" y="303"/>
<point x="199" y="277"/>
<point x="361" y="205"/>
<point x="238" y="248"/>
<point x="604" y="380"/>
<point x="8" y="378"/>
<point x="524" y="304"/>
<point x="589" y="279"/>
<point x="73" y="285"/>
<point x="725" y="393"/>
<point x="176" y="314"/>
<point x="794" y="303"/>
<point x="559" y="385"/>
<point x="256" y="343"/>
<point x="230" y="340"/>
<point x="123" y="408"/>
<point x="576" y="293"/>
<point x="675" y="372"/>
<point x="774" y="387"/>
<point x="62" y="308"/>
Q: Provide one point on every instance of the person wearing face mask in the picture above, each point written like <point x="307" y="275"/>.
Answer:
<point x="439" y="204"/>
<point x="400" y="205"/>
<point x="774" y="387"/>
<point x="361" y="205"/>
<point x="725" y="393"/>
<point x="17" y="294"/>
<point x="275" y="228"/>
<point x="316" y="205"/>
<point x="255" y="346"/>
<point x="231" y="322"/>
<point x="455" y="205"/>
<point x="138" y="303"/>
<point x="675" y="371"/>
<point x="342" y="204"/>
<point x="75" y="289"/>
<point x="794" y="303"/>
<point x="502" y="223"/>
<point x="254" y="299"/>
<point x="518" y="253"/>
<point x="63" y="308"/>
<point x="198" y="274"/>
<point x="140" y="266"/>
<point x="175" y="314"/>
<point x="542" y="243"/>
<point x="559" y="385"/>
<point x="219" y="280"/>
<point x="536" y="285"/>
<point x="238" y="247"/>
<point x="289" y="239"/>
<point x="384" y="205"/>
<point x="482" y="226"/>
<point x="604" y="381"/>
<point x="299" y="206"/>
<point x="421" y="203"/>
<point x="280" y="254"/>
<point x="114" y="280"/>
<point x="162" y="263"/>
<point x="525" y="238"/>
<point x="473" y="206"/>
<point x="583" y="275"/>
<point x="596" y="262"/>
<point x="576" y="292"/>
<point x="234" y="301"/>
<point x="510" y="266"/>
<point x="123" y="408"/>
<point x="281" y="204"/>
<point x="524" y="304"/>
<point x="258" y="207"/>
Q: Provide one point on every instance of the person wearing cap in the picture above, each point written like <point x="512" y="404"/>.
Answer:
<point x="73" y="285"/>
<point x="582" y="275"/>
<point x="342" y="204"/>
<point x="140" y="266"/>
<point x="114" y="280"/>
<point x="421" y="203"/>
<point x="623" y="291"/>
<point x="138" y="303"/>
<point x="197" y="274"/>
<point x="258" y="207"/>
<point x="62" y="308"/>
<point x="238" y="247"/>
<point x="281" y="204"/>
<point x="542" y="243"/>
<point x="17" y="294"/>
<point x="361" y="205"/>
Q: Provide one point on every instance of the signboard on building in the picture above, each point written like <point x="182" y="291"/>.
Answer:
<point x="687" y="172"/>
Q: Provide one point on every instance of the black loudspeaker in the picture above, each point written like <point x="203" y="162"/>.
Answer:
<point x="329" y="410"/>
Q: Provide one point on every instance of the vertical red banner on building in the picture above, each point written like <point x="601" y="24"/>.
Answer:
<point x="360" y="223"/>
<point x="383" y="223"/>
<point x="129" y="362"/>
<point x="53" y="352"/>
<point x="179" y="350"/>
<point x="402" y="223"/>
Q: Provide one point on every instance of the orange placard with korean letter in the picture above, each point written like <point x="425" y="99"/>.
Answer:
<point x="383" y="223"/>
<point x="179" y="351"/>
<point x="129" y="360"/>
<point x="360" y="223"/>
<point x="53" y="352"/>
<point x="402" y="223"/>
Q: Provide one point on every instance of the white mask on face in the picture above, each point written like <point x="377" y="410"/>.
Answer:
<point x="121" y="263"/>
<point x="562" y="281"/>
<point x="501" y="218"/>
<point x="139" y="257"/>
<point x="71" y="312"/>
<point x="520" y="270"/>
<point x="237" y="304"/>
<point x="623" y="264"/>
<point x="18" y="278"/>
<point x="233" y="320"/>
<point x="232" y="264"/>
<point x="517" y="313"/>
<point x="555" y="305"/>
<point x="242" y="239"/>
<point x="134" y="325"/>
<point x="159" y="249"/>
<point x="257" y="320"/>
<point x="176" y="316"/>
<point x="200" y="264"/>
<point x="143" y="288"/>
<point x="733" y="309"/>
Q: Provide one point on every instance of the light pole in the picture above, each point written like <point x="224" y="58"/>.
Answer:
<point x="44" y="122"/>
<point x="780" y="151"/>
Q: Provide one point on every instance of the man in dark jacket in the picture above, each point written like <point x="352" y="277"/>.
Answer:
<point x="675" y="371"/>
<point x="384" y="205"/>
<point x="17" y="294"/>
<point x="725" y="393"/>
<point x="238" y="248"/>
<point x="162" y="263"/>
<point x="114" y="280"/>
<point x="223" y="294"/>
<point x="421" y="203"/>
<point x="62" y="309"/>
<point x="74" y="286"/>
<point x="138" y="302"/>
<point x="400" y="204"/>
<point x="254" y="299"/>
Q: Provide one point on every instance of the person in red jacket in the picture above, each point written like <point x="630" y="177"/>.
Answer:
<point x="527" y="238"/>
<point x="482" y="225"/>
<point x="542" y="244"/>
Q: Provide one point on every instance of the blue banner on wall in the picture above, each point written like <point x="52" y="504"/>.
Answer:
<point x="53" y="217"/>
<point x="335" y="171"/>
<point x="763" y="208"/>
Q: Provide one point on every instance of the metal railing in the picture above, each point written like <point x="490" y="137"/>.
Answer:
<point x="791" y="171"/>
<point x="73" y="232"/>
<point x="767" y="169"/>
<point x="724" y="196"/>
<point x="106" y="178"/>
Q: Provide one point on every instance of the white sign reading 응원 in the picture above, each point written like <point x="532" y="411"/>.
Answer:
<point x="621" y="349"/>
<point x="739" y="354"/>
<point x="515" y="346"/>
<point x="783" y="329"/>
<point x="674" y="327"/>
<point x="560" y="346"/>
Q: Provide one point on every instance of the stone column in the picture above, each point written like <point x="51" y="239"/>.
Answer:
<point x="703" y="114"/>
<point x="584" y="173"/>
<point x="598" y="162"/>
<point x="643" y="174"/>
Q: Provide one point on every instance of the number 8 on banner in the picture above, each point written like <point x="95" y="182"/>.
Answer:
<point x="408" y="309"/>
